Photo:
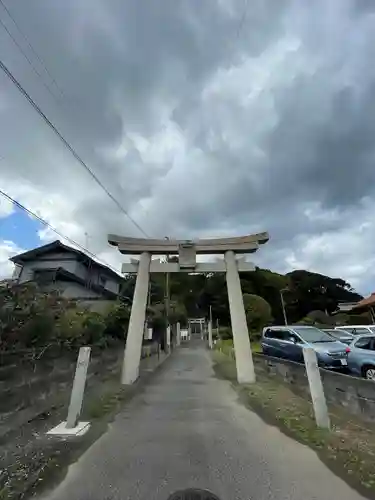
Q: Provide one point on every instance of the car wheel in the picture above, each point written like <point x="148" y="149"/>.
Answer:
<point x="369" y="372"/>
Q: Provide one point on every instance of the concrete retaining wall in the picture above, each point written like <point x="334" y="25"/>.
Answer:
<point x="356" y="395"/>
<point x="32" y="384"/>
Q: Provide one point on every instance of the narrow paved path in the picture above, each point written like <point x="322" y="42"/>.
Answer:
<point x="188" y="429"/>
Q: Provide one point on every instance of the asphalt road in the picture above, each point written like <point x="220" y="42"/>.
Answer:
<point x="187" y="429"/>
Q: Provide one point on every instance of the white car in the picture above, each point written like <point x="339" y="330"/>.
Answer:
<point x="357" y="329"/>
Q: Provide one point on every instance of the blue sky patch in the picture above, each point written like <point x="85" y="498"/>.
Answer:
<point x="20" y="228"/>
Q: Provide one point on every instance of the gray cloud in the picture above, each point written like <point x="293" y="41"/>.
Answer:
<point x="202" y="118"/>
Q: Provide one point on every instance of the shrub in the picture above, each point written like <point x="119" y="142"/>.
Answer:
<point x="116" y="321"/>
<point x="39" y="330"/>
<point x="225" y="333"/>
<point x="320" y="317"/>
<point x="258" y="312"/>
<point x="93" y="329"/>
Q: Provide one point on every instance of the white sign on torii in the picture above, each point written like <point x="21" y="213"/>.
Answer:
<point x="187" y="252"/>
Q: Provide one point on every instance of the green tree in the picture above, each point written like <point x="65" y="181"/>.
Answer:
<point x="312" y="291"/>
<point x="258" y="312"/>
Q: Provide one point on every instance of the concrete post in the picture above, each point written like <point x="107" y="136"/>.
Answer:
<point x="130" y="369"/>
<point x="72" y="426"/>
<point x="242" y="348"/>
<point x="210" y="334"/>
<point x="169" y="337"/>
<point x="178" y="334"/>
<point x="76" y="398"/>
<point x="316" y="388"/>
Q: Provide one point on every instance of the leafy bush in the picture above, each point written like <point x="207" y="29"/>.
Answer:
<point x="320" y="317"/>
<point x="225" y="333"/>
<point x="341" y="319"/>
<point x="28" y="316"/>
<point x="31" y="318"/>
<point x="258" y="312"/>
<point x="117" y="321"/>
<point x="38" y="330"/>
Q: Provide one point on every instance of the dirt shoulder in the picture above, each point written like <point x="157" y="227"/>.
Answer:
<point x="33" y="461"/>
<point x="348" y="449"/>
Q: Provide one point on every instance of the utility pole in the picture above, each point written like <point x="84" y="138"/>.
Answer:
<point x="210" y="329"/>
<point x="166" y="301"/>
<point x="283" y="305"/>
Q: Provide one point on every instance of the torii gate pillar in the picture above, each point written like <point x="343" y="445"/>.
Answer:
<point x="187" y="251"/>
<point x="241" y="339"/>
<point x="132" y="356"/>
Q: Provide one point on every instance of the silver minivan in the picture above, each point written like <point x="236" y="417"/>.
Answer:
<point x="288" y="342"/>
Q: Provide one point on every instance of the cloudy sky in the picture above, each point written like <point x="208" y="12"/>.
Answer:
<point x="203" y="118"/>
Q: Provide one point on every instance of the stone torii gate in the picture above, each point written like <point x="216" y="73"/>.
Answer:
<point x="187" y="252"/>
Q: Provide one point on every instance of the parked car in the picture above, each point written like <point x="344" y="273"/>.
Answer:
<point x="357" y="329"/>
<point x="361" y="358"/>
<point x="341" y="335"/>
<point x="288" y="342"/>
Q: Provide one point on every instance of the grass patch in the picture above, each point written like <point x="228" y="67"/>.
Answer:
<point x="226" y="346"/>
<point x="256" y="346"/>
<point x="107" y="403"/>
<point x="348" y="449"/>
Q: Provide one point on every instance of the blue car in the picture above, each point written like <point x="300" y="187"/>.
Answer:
<point x="361" y="358"/>
<point x="288" y="342"/>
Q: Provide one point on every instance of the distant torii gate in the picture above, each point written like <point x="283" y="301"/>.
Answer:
<point x="197" y="321"/>
<point x="187" y="252"/>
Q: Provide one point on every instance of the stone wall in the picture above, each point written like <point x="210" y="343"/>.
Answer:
<point x="356" y="395"/>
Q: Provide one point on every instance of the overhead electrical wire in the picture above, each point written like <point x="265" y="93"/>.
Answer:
<point x="41" y="61"/>
<point x="27" y="59"/>
<point x="240" y="24"/>
<point x="68" y="146"/>
<point x="47" y="224"/>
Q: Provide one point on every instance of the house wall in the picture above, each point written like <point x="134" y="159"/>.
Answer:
<point x="54" y="260"/>
<point x="70" y="263"/>
<point x="71" y="290"/>
<point x="112" y="285"/>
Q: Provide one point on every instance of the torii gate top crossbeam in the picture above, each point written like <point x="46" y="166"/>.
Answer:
<point x="135" y="246"/>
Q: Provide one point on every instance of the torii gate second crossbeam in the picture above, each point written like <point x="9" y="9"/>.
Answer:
<point x="187" y="251"/>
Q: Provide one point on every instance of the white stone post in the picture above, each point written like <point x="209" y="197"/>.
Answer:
<point x="178" y="334"/>
<point x="242" y="348"/>
<point x="210" y="334"/>
<point x="72" y="426"/>
<point x="130" y="369"/>
<point x="316" y="388"/>
<point x="76" y="398"/>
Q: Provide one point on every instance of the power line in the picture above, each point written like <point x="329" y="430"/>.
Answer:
<point x="47" y="224"/>
<point x="27" y="58"/>
<point x="240" y="24"/>
<point x="30" y="45"/>
<point x="68" y="146"/>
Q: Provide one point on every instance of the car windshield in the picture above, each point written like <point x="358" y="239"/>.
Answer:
<point x="362" y="331"/>
<point x="339" y="335"/>
<point x="311" y="334"/>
